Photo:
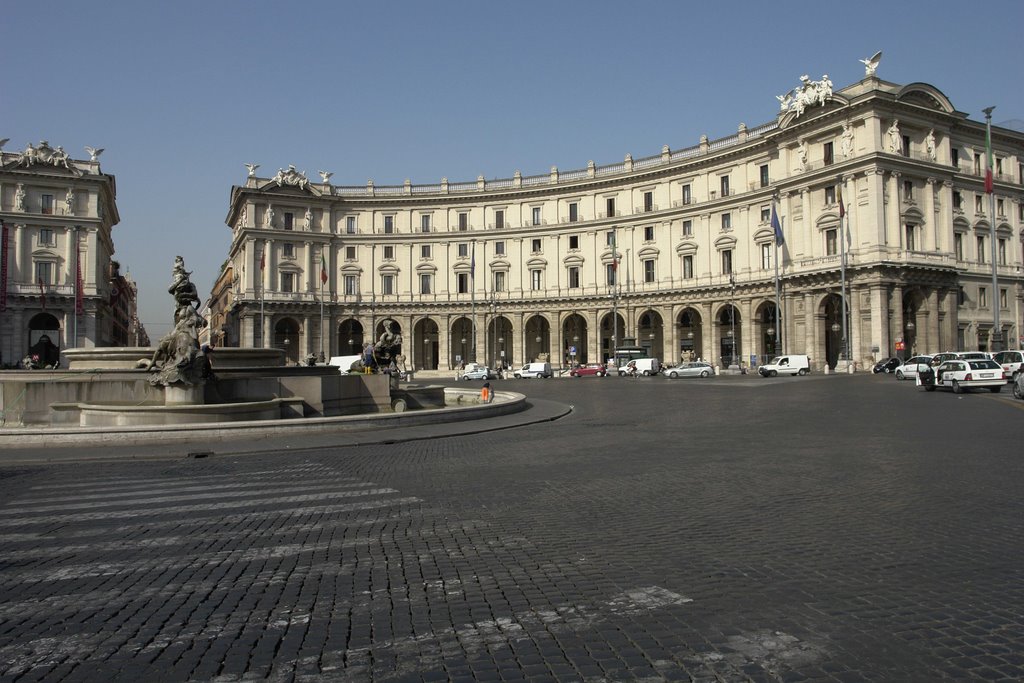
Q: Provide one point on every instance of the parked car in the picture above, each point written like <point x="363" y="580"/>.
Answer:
<point x="887" y="366"/>
<point x="589" y="370"/>
<point x="1018" y="386"/>
<point x="1011" y="362"/>
<point x="694" y="369"/>
<point x="962" y="375"/>
<point x="973" y="355"/>
<point x="479" y="372"/>
<point x="909" y="369"/>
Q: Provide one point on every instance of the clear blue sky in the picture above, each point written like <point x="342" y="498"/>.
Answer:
<point x="182" y="94"/>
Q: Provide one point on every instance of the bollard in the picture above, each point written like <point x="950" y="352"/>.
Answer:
<point x="485" y="393"/>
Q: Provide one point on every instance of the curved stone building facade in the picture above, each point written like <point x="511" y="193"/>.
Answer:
<point x="674" y="252"/>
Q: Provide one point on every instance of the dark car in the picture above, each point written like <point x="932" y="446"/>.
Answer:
<point x="887" y="366"/>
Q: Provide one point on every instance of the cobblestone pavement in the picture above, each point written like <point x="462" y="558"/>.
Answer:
<point x="734" y="529"/>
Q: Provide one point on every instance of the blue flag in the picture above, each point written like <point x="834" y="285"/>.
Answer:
<point x="777" y="227"/>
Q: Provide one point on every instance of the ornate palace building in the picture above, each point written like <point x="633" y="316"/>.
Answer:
<point x="674" y="252"/>
<point x="58" y="281"/>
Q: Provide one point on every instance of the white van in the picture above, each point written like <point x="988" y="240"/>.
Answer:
<point x="793" y="364"/>
<point x="534" y="370"/>
<point x="644" y="366"/>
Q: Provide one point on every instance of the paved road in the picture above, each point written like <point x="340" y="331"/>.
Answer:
<point x="734" y="529"/>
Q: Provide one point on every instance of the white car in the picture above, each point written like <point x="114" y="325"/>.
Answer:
<point x="1011" y="362"/>
<point x="909" y="369"/>
<point x="962" y="375"/>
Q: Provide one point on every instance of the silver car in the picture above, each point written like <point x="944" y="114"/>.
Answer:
<point x="694" y="369"/>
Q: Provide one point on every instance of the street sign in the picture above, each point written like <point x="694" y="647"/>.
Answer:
<point x="572" y="350"/>
<point x="900" y="346"/>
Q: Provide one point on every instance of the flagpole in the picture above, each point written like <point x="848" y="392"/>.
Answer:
<point x="472" y="295"/>
<point x="778" y="304"/>
<point x="842" y="269"/>
<point x="78" y="256"/>
<point x="997" y="332"/>
<point x="322" y="358"/>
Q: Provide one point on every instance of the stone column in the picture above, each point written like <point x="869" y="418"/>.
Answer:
<point x="813" y="340"/>
<point x="879" y="320"/>
<point x="893" y="213"/>
<point x="312" y="278"/>
<point x="872" y="219"/>
<point x="857" y="351"/>
<point x="896" y="303"/>
<point x="930" y="230"/>
<point x="934" y="338"/>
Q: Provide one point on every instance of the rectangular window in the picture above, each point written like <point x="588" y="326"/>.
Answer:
<point x="499" y="281"/>
<point x="425" y="283"/>
<point x="687" y="197"/>
<point x="827" y="154"/>
<point x="981" y="249"/>
<point x="287" y="282"/>
<point x="609" y="274"/>
<point x="462" y="283"/>
<point x="649" y="233"/>
<point x="831" y="242"/>
<point x="535" y="280"/>
<point x="44" y="272"/>
<point x="766" y="215"/>
<point x="764" y="176"/>
<point x="389" y="252"/>
<point x="425" y="222"/>
<point x="726" y="261"/>
<point x="289" y="220"/>
<point x="982" y="297"/>
<point x="574" y="212"/>
<point x="463" y="248"/>
<point x="1001" y="246"/>
<point x="955" y="156"/>
<point x="830" y="195"/>
<point x="725" y="185"/>
<point x="958" y="200"/>
<point x="535" y="246"/>
<point x="726" y="221"/>
<point x="46" y="237"/>
<point x="350" y="225"/>
<point x="648" y="201"/>
<point x="499" y="219"/>
<point x="350" y="253"/>
<point x="978" y="206"/>
<point x="389" y="225"/>
<point x="536" y="215"/>
<point x="424" y="251"/>
<point x="351" y="285"/>
<point x="687" y="228"/>
<point x="999" y="208"/>
<point x="688" y="266"/>
<point x="610" y="238"/>
<point x="911" y="233"/>
<point x="289" y="250"/>
<point x="977" y="164"/>
<point x="908" y="190"/>
<point x="46" y="204"/>
<point x="574" y="277"/>
<point x="906" y="145"/>
<point x="648" y="270"/>
<point x="961" y="297"/>
<point x="463" y="222"/>
<point x="387" y="284"/>
<point x="766" y="256"/>
<point x="574" y="242"/>
<point x="958" y="246"/>
<point x="499" y="248"/>
<point x="610" y="207"/>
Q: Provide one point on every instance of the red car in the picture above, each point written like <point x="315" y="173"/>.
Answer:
<point x="591" y="369"/>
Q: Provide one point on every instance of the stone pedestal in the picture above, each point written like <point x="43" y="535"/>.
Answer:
<point x="183" y="394"/>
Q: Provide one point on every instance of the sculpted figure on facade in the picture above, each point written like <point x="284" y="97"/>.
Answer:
<point x="325" y="176"/>
<point x="69" y="202"/>
<point x="801" y="153"/>
<point x="846" y="141"/>
<point x="929" y="145"/>
<point x="252" y="169"/>
<point x="19" y="198"/>
<point x="806" y="94"/>
<point x="895" y="139"/>
<point x="871" y="63"/>
<point x="28" y="157"/>
<point x="270" y="216"/>
<point x="308" y="219"/>
<point x="94" y="153"/>
<point x="291" y="177"/>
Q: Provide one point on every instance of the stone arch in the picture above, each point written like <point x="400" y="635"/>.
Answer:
<point x="350" y="337"/>
<point x="425" y="351"/>
<point x="691" y="333"/>
<point x="288" y="336"/>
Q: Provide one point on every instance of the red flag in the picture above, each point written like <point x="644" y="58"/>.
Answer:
<point x="323" y="269"/>
<point x="988" y="160"/>
<point x="42" y="294"/>
<point x="839" y="198"/>
<point x="79" y="294"/>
